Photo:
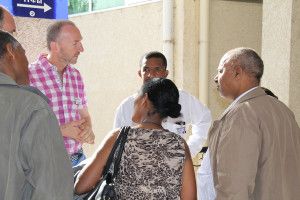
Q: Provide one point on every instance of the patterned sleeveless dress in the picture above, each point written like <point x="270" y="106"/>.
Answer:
<point x="151" y="166"/>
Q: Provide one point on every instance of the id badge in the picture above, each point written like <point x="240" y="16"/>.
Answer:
<point x="180" y="127"/>
<point x="77" y="101"/>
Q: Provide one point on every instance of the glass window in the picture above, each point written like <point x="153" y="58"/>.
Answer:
<point x="104" y="4"/>
<point x="78" y="6"/>
<point x="81" y="6"/>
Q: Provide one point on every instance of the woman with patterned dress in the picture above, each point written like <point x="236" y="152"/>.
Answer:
<point x="156" y="163"/>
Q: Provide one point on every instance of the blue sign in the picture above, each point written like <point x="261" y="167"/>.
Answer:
<point x="49" y="9"/>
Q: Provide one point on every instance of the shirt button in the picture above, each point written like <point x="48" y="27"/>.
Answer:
<point x="65" y="106"/>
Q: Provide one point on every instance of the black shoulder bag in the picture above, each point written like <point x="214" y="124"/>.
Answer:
<point x="105" y="188"/>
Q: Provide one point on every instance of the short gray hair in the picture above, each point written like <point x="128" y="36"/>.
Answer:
<point x="248" y="60"/>
<point x="54" y="30"/>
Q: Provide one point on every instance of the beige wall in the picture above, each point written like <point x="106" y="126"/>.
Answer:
<point x="186" y="33"/>
<point x="294" y="90"/>
<point x="281" y="51"/>
<point x="232" y="24"/>
<point x="32" y="35"/>
<point x="276" y="49"/>
<point x="114" y="41"/>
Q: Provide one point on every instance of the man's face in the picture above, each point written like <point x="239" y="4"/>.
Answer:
<point x="8" y="22"/>
<point x="225" y="78"/>
<point x="69" y="44"/>
<point x="20" y="66"/>
<point x="152" y="68"/>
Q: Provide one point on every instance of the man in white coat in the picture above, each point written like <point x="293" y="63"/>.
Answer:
<point x="154" y="65"/>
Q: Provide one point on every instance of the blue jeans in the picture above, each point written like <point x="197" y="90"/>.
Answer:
<point x="76" y="158"/>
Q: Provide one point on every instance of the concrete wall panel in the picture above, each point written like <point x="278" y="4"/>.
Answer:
<point x="232" y="24"/>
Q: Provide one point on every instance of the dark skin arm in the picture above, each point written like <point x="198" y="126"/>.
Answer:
<point x="188" y="190"/>
<point x="92" y="171"/>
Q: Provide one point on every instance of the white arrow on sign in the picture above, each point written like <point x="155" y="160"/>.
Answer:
<point x="45" y="6"/>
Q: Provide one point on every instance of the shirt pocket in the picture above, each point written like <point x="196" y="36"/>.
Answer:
<point x="74" y="105"/>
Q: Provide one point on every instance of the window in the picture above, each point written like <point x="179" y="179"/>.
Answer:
<point x="104" y="4"/>
<point x="78" y="6"/>
<point x="83" y="6"/>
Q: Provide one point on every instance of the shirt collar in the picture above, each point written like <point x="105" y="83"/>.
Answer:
<point x="238" y="98"/>
<point x="6" y="80"/>
<point x="44" y="62"/>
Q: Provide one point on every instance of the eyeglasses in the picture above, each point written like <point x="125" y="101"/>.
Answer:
<point x="155" y="70"/>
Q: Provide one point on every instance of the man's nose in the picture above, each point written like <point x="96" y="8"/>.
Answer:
<point x="216" y="79"/>
<point x="80" y="47"/>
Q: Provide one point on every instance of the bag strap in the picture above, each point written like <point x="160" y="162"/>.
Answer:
<point x="107" y="174"/>
<point x="116" y="152"/>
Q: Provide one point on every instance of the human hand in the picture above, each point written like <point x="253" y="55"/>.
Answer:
<point x="72" y="129"/>
<point x="86" y="134"/>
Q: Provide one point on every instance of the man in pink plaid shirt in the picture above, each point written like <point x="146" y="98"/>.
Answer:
<point x="62" y="84"/>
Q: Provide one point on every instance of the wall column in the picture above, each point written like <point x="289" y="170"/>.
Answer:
<point x="186" y="32"/>
<point x="281" y="51"/>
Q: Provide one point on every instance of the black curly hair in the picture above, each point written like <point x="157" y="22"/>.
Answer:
<point x="164" y="97"/>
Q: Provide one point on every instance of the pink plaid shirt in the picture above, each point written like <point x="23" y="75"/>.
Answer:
<point x="66" y="97"/>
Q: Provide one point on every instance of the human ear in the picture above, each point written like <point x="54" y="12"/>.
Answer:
<point x="53" y="46"/>
<point x="10" y="50"/>
<point x="145" y="99"/>
<point x="166" y="73"/>
<point x="238" y="71"/>
<point x="139" y="73"/>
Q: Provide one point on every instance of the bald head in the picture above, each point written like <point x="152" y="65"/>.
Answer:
<point x="7" y="22"/>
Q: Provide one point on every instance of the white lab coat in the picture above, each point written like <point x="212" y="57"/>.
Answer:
<point x="205" y="183"/>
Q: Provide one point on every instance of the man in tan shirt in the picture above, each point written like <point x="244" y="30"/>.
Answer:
<point x="255" y="144"/>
